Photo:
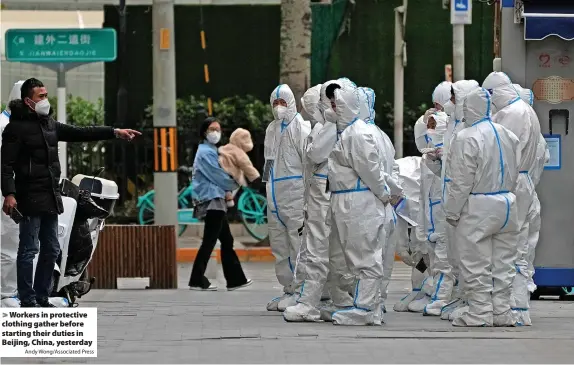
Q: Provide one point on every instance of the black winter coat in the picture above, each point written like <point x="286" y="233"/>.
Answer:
<point x="30" y="163"/>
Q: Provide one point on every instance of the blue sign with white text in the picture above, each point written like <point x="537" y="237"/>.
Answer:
<point x="461" y="5"/>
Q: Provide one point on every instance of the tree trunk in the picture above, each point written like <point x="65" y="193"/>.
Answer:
<point x="295" y="56"/>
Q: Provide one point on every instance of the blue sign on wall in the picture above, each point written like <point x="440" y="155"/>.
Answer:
<point x="461" y="5"/>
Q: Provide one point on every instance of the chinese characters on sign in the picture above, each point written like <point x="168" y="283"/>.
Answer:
<point x="61" y="45"/>
<point x="50" y="39"/>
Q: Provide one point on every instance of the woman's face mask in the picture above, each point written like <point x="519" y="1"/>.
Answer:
<point x="213" y="137"/>
<point x="279" y="112"/>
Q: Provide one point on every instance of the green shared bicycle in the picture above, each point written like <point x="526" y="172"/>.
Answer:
<point x="251" y="206"/>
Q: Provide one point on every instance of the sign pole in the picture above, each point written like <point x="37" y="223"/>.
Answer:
<point x="63" y="151"/>
<point x="460" y="14"/>
<point x="458" y="52"/>
<point x="164" y="113"/>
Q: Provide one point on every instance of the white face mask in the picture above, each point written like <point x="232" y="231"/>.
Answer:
<point x="449" y="107"/>
<point x="213" y="137"/>
<point x="42" y="107"/>
<point x="280" y="112"/>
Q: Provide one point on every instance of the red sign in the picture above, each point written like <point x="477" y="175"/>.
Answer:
<point x="544" y="59"/>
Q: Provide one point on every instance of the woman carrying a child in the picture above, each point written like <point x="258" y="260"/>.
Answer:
<point x="211" y="184"/>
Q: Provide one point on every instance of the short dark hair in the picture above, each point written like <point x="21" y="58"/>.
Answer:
<point x="330" y="90"/>
<point x="27" y="90"/>
<point x="205" y="126"/>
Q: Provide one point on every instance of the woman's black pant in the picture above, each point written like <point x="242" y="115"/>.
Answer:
<point x="217" y="227"/>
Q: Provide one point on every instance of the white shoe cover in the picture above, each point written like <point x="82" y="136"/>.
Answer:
<point x="522" y="318"/>
<point x="459" y="312"/>
<point x="328" y="309"/>
<point x="418" y="306"/>
<point x="302" y="313"/>
<point x="354" y="317"/>
<point x="434" y="308"/>
<point x="287" y="302"/>
<point x="508" y="319"/>
<point x="403" y="304"/>
<point x="379" y="316"/>
<point x="10" y="303"/>
<point x="462" y="317"/>
<point x="451" y="307"/>
<point x="273" y="305"/>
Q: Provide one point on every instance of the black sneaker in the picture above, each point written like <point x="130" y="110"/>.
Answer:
<point x="29" y="305"/>
<point x="45" y="304"/>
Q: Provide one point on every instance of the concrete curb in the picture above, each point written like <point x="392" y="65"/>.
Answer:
<point x="255" y="254"/>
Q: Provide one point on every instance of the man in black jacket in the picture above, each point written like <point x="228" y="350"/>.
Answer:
<point x="30" y="183"/>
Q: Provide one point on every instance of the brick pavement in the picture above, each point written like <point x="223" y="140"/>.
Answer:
<point x="183" y="326"/>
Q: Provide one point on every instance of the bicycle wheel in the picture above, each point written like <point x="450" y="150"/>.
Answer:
<point x="146" y="211"/>
<point x="253" y="209"/>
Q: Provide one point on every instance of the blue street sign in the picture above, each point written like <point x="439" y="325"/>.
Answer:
<point x="461" y="5"/>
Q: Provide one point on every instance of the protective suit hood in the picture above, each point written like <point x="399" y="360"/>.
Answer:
<point x="347" y="105"/>
<point x="525" y="94"/>
<point x="284" y="92"/>
<point x="477" y="106"/>
<point x="420" y="132"/>
<point x="364" y="110"/>
<point x="242" y="139"/>
<point x="436" y="136"/>
<point x="310" y="102"/>
<point x="461" y="89"/>
<point x="15" y="93"/>
<point x="368" y="95"/>
<point x="441" y="94"/>
<point x="500" y="87"/>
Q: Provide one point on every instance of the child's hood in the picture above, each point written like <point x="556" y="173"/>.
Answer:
<point x="242" y="139"/>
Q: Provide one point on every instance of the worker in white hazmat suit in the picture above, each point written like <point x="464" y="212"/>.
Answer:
<point x="423" y="296"/>
<point x="408" y="248"/>
<point x="441" y="268"/>
<point x="519" y="117"/>
<point x="357" y="214"/>
<point x="443" y="97"/>
<point x="10" y="230"/>
<point x="391" y="169"/>
<point x="483" y="168"/>
<point x="284" y="152"/>
<point x="316" y="255"/>
<point x="533" y="218"/>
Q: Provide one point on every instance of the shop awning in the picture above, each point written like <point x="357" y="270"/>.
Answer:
<point x="548" y="18"/>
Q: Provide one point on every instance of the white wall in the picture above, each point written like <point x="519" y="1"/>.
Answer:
<point x="86" y="81"/>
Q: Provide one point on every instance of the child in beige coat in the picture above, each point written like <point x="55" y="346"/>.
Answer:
<point x="234" y="160"/>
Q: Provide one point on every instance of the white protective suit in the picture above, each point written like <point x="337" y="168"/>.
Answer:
<point x="409" y="249"/>
<point x="316" y="255"/>
<point x="522" y="292"/>
<point x="391" y="169"/>
<point x="285" y="145"/>
<point x="357" y="213"/>
<point x="482" y="167"/>
<point x="433" y="228"/>
<point x="519" y="117"/>
<point x="10" y="230"/>
<point x="454" y="125"/>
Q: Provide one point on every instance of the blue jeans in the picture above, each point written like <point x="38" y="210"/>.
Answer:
<point x="43" y="228"/>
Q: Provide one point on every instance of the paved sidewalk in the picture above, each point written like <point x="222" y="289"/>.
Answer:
<point x="183" y="326"/>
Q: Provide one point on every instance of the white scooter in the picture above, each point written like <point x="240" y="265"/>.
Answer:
<point x="88" y="201"/>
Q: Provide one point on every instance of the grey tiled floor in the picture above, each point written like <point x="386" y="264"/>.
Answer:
<point x="183" y="326"/>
